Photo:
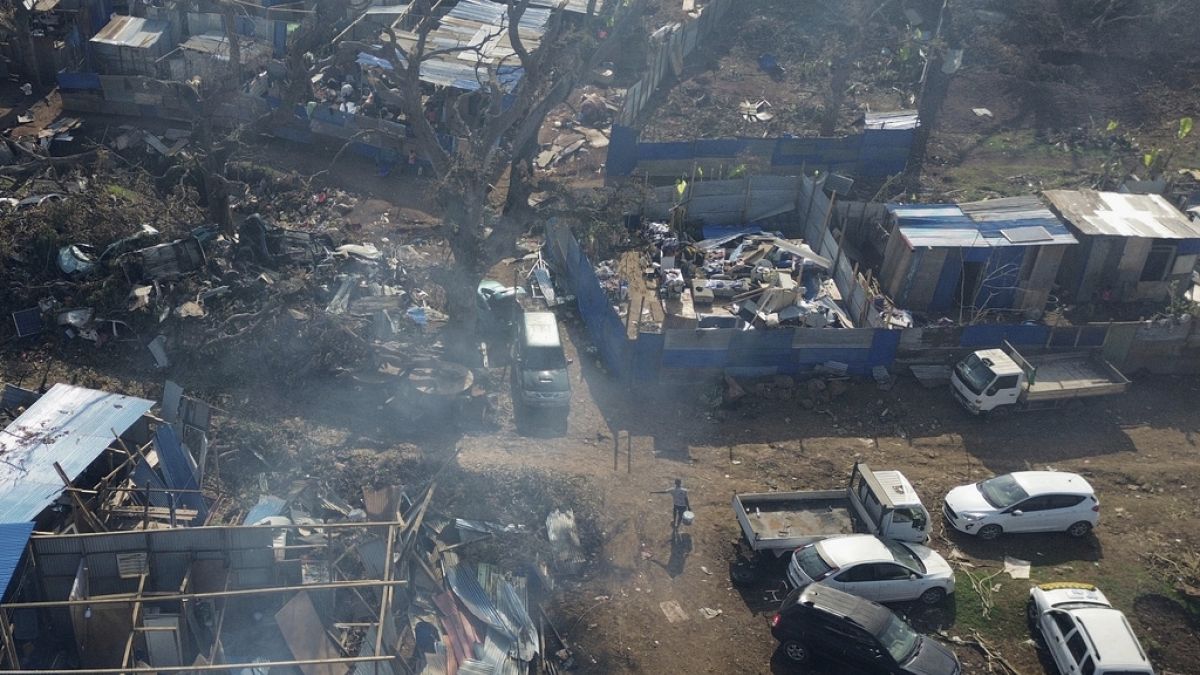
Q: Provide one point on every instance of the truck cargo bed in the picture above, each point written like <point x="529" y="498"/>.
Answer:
<point x="783" y="519"/>
<point x="1074" y="376"/>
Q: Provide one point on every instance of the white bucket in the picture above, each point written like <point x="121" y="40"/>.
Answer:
<point x="688" y="517"/>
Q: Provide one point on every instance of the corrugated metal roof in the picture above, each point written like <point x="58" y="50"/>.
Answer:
<point x="1012" y="221"/>
<point x="574" y="6"/>
<point x="1113" y="214"/>
<point x="899" y="119"/>
<point x="13" y="537"/>
<point x="217" y="46"/>
<point x="481" y="24"/>
<point x="131" y="31"/>
<point x="474" y="598"/>
<point x="69" y="425"/>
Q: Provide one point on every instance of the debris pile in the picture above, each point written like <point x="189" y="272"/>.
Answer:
<point x="745" y="279"/>
<point x="294" y="288"/>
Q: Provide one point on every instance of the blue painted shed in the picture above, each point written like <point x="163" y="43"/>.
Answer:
<point x="13" y="538"/>
<point x="71" y="426"/>
<point x="994" y="255"/>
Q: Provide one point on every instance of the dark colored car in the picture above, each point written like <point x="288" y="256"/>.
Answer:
<point x="852" y="631"/>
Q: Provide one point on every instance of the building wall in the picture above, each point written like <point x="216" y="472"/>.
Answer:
<point x="896" y="255"/>
<point x="920" y="281"/>
<point x="1035" y="290"/>
<point x="1117" y="263"/>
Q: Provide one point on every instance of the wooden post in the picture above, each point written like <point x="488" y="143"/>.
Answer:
<point x="216" y="645"/>
<point x="841" y="243"/>
<point x="136" y="616"/>
<point x="616" y="448"/>
<point x="825" y="223"/>
<point x="629" y="450"/>
<point x="179" y="597"/>
<point x="385" y="595"/>
<point x="81" y="509"/>
<point x="209" y="667"/>
<point x="10" y="648"/>
<point x="812" y="198"/>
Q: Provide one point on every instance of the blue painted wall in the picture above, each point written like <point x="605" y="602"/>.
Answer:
<point x="874" y="153"/>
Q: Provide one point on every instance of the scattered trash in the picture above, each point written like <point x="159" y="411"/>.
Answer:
<point x="157" y="348"/>
<point x="673" y="611"/>
<point x="28" y="321"/>
<point x="756" y="112"/>
<point x="769" y="64"/>
<point x="1017" y="569"/>
<point x="708" y="613"/>
<point x="982" y="112"/>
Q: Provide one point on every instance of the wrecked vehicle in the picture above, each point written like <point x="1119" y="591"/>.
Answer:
<point x="76" y="260"/>
<point x="275" y="246"/>
<point x="497" y="306"/>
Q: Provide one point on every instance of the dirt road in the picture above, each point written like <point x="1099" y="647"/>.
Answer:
<point x="1140" y="452"/>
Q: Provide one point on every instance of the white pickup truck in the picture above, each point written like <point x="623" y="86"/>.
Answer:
<point x="882" y="503"/>
<point x="1002" y="379"/>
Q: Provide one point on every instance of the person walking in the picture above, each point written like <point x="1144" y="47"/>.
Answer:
<point x="679" y="501"/>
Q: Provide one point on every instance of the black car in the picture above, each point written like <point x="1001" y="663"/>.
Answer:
<point x="820" y="621"/>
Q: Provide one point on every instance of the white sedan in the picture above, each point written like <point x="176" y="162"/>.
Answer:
<point x="874" y="568"/>
<point x="1025" y="501"/>
<point x="1083" y="632"/>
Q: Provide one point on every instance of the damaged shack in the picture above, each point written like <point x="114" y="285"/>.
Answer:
<point x="992" y="256"/>
<point x="1134" y="248"/>
<point x="380" y="590"/>
<point x="82" y="460"/>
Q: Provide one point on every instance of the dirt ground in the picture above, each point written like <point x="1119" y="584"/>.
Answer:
<point x="625" y="439"/>
<point x="1063" y="101"/>
<point x="724" y="71"/>
<point x="1141" y="452"/>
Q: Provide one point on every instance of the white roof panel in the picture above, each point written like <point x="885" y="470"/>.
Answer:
<point x="1114" y="214"/>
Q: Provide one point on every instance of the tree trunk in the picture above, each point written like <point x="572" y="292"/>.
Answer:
<point x="464" y="200"/>
<point x="839" y="79"/>
<point x="520" y="176"/>
<point x="933" y="94"/>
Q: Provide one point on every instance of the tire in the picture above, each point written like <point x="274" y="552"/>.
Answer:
<point x="1081" y="529"/>
<point x="989" y="532"/>
<point x="1031" y="618"/>
<point x="932" y="596"/>
<point x="742" y="574"/>
<point x="795" y="651"/>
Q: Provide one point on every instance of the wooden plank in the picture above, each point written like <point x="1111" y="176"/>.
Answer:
<point x="305" y="635"/>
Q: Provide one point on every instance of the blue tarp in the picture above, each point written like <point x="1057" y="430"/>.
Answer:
<point x="722" y="231"/>
<point x="13" y="537"/>
<point x="179" y="470"/>
<point x="67" y="80"/>
<point x="267" y="506"/>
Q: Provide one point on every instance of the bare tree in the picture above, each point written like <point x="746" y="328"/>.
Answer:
<point x="495" y="125"/>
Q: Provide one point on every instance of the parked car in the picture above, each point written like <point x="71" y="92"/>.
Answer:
<point x="1084" y="634"/>
<point x="819" y="621"/>
<point x="874" y="502"/>
<point x="874" y="568"/>
<point x="1025" y="501"/>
